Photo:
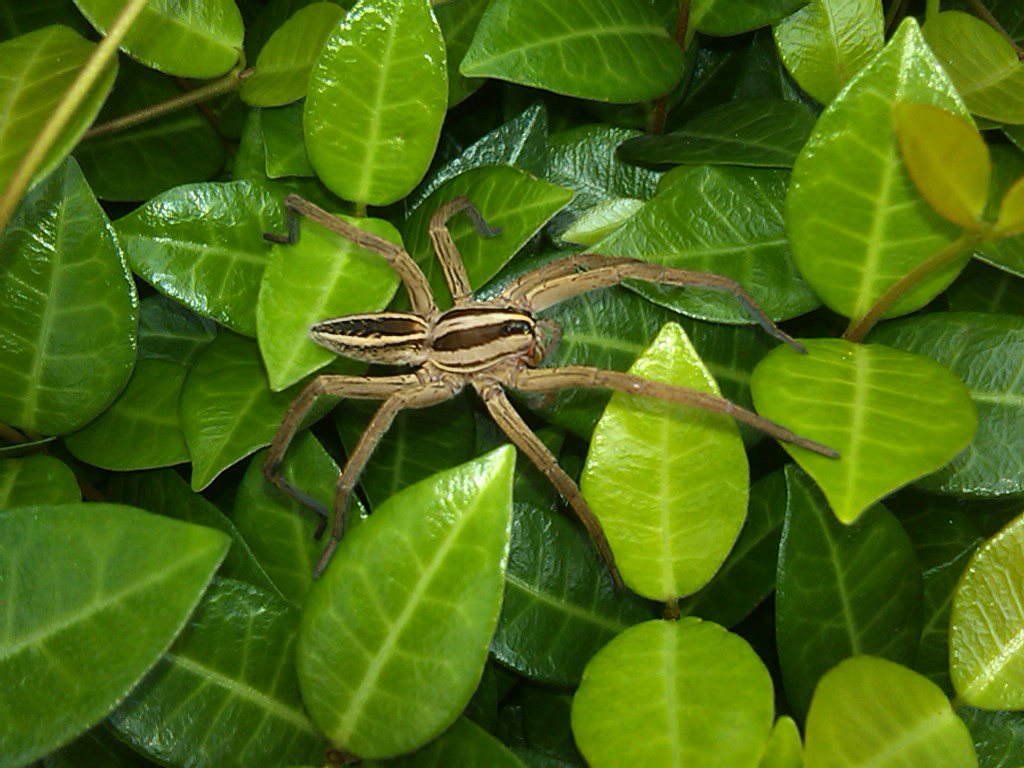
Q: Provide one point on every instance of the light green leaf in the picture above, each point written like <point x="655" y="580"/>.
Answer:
<point x="602" y="49"/>
<point x="784" y="749"/>
<point x="598" y="222"/>
<point x="394" y="635"/>
<point x="671" y="693"/>
<point x="854" y="219"/>
<point x="465" y="745"/>
<point x="893" y="416"/>
<point x="377" y="96"/>
<point x="194" y="38"/>
<point x="872" y="712"/>
<point x="725" y="18"/>
<point x="986" y="664"/>
<point x="67" y="332"/>
<point x="1011" y="210"/>
<point x="667" y="482"/>
<point x="104" y="586"/>
<point x="36" y="479"/>
<point x="284" y="141"/>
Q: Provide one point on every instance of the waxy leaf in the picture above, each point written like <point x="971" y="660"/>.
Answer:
<point x="667" y="482"/>
<point x="171" y="331"/>
<point x="982" y="288"/>
<point x="826" y="42"/>
<point x="841" y="590"/>
<point x="197" y="39"/>
<point x="998" y="736"/>
<point x="203" y="245"/>
<point x="671" y="693"/>
<point x="233" y="663"/>
<point x="67" y="332"/>
<point x="93" y="594"/>
<point x="870" y="711"/>
<point x="465" y="744"/>
<point x="986" y="663"/>
<point x="854" y="219"/>
<point x="458" y="22"/>
<point x="892" y="416"/>
<point x="602" y="49"/>
<point x="284" y="142"/>
<point x="36" y="479"/>
<point x="394" y="635"/>
<point x="377" y="96"/>
<point x="733" y="17"/>
<point x="598" y="222"/>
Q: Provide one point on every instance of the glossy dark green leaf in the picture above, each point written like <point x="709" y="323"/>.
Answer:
<point x="998" y="736"/>
<point x="986" y="351"/>
<point x="94" y="594"/>
<point x="1007" y="253"/>
<point x="465" y="744"/>
<point x="283" y="65"/>
<point x="67" y="332"/>
<point x="854" y="219"/>
<point x="96" y="747"/>
<point x="733" y="17"/>
<point x="981" y="288"/>
<point x="560" y="603"/>
<point x="284" y="142"/>
<point x="171" y="331"/>
<point x="722" y="220"/>
<point x="36" y="479"/>
<point x="458" y="20"/>
<point x="535" y="722"/>
<point x="841" y="590"/>
<point x="394" y="635"/>
<point x="232" y="664"/>
<point x="826" y="42"/>
<point x="203" y="245"/>
<point x="764" y="132"/>
<point x="601" y="50"/>
<point x="377" y="96"/>
<point x="671" y="693"/>
<point x="227" y="408"/>
<point x="202" y="39"/>
<point x="23" y="18"/>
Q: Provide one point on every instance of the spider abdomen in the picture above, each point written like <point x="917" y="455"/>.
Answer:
<point x="390" y="338"/>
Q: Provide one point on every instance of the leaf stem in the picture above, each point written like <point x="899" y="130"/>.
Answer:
<point x="11" y="435"/>
<point x="993" y="22"/>
<point x="857" y="331"/>
<point x="657" y="125"/>
<point x="87" y="78"/>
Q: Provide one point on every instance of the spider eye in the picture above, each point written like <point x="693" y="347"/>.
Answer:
<point x="516" y="327"/>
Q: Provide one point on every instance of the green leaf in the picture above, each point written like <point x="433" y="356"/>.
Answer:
<point x="598" y="222"/>
<point x="985" y="350"/>
<point x="233" y="663"/>
<point x="1004" y="250"/>
<point x="982" y="288"/>
<point x="465" y="744"/>
<point x="869" y="711"/>
<point x="284" y="141"/>
<point x="892" y="416"/>
<point x="459" y="20"/>
<point x="947" y="159"/>
<point x="96" y="747"/>
<point x="725" y="18"/>
<point x="762" y="132"/>
<point x="321" y="276"/>
<point x="981" y="63"/>
<point x="560" y="603"/>
<point x="200" y="39"/>
<point x="985" y="660"/>
<point x="394" y="635"/>
<point x="36" y="71"/>
<point x="826" y="42"/>
<point x="170" y="331"/>
<point x="104" y="586"/>
<point x="601" y="50"/>
<point x="841" y="590"/>
<point x="282" y="68"/>
<point x="998" y="736"/>
<point x="1011" y="210"/>
<point x="667" y="482"/>
<point x="227" y="408"/>
<point x="68" y="329"/>
<point x="854" y="219"/>
<point x="784" y="748"/>
<point x="203" y="245"/>
<point x="36" y="479"/>
<point x="377" y="97"/>
<point x="722" y="220"/>
<point x="142" y="428"/>
<point x="671" y="693"/>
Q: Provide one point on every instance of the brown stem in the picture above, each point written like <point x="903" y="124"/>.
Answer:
<point x="11" y="435"/>
<point x="657" y="125"/>
<point x="993" y="22"/>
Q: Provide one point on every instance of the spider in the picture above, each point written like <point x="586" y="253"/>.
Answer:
<point x="488" y="345"/>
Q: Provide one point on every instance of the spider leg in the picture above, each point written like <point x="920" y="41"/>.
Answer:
<point x="525" y="440"/>
<point x="454" y="270"/>
<point x="557" y="379"/>
<point x="580" y="273"/>
<point x="412" y="276"/>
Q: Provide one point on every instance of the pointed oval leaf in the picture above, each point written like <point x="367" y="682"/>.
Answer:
<point x="1011" y="210"/>
<point x="199" y="38"/>
<point x="667" y="482"/>
<point x="377" y="96"/>
<point x="671" y="693"/>
<point x="232" y="664"/>
<point x="203" y="245"/>
<point x="36" y="479"/>
<point x="458" y="24"/>
<point x="171" y="331"/>
<point x="394" y="636"/>
<point x="69" y="574"/>
<point x="596" y="223"/>
<point x="826" y="42"/>
<point x="602" y="50"/>
<point x="854" y="219"/>
<point x="282" y="69"/>
<point x="465" y="744"/>
<point x="893" y="416"/>
<point x="284" y="141"/>
<point x="784" y="748"/>
<point x="870" y="711"/>
<point x="67" y="332"/>
<point x="947" y="159"/>
<point x="725" y="18"/>
<point x="986" y="663"/>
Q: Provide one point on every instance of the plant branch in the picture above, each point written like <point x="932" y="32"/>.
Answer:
<point x="661" y="105"/>
<point x="993" y="22"/>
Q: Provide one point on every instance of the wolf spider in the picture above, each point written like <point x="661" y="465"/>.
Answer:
<point x="489" y="345"/>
